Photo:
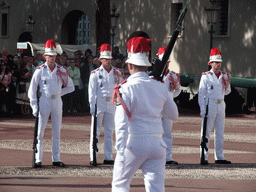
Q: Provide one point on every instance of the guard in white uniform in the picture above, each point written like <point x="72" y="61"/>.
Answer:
<point x="101" y="86"/>
<point x="172" y="81"/>
<point x="214" y="85"/>
<point x="141" y="101"/>
<point x="53" y="81"/>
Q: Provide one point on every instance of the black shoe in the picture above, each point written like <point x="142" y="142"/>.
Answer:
<point x="91" y="163"/>
<point x="172" y="162"/>
<point x="222" y="162"/>
<point x="58" y="164"/>
<point x="109" y="162"/>
<point x="37" y="165"/>
<point x="204" y="162"/>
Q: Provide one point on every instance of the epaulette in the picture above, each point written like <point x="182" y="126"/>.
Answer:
<point x="38" y="67"/>
<point x="118" y="69"/>
<point x="115" y="69"/>
<point x="60" y="66"/>
<point x="225" y="73"/>
<point x="204" y="73"/>
<point x="124" y="82"/>
<point x="95" y="70"/>
<point x="175" y="73"/>
<point x="157" y="80"/>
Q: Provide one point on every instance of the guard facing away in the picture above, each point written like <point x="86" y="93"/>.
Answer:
<point x="172" y="81"/>
<point x="53" y="81"/>
<point x="141" y="102"/>
<point x="214" y="85"/>
<point x="101" y="85"/>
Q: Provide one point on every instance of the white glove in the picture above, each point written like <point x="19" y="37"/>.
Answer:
<point x="202" y="113"/>
<point x="35" y="110"/>
<point x="34" y="113"/>
<point x="92" y="111"/>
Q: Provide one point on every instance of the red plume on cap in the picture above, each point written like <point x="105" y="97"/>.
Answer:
<point x="105" y="51"/>
<point x="215" y="51"/>
<point x="50" y="44"/>
<point x="104" y="47"/>
<point x="215" y="55"/>
<point x="50" y="47"/>
<point x="138" y="44"/>
<point x="161" y="50"/>
<point x="138" y="49"/>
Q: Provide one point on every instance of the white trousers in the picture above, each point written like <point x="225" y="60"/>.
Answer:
<point x="147" y="153"/>
<point x="49" y="107"/>
<point x="167" y="137"/>
<point x="108" y="121"/>
<point x="216" y="119"/>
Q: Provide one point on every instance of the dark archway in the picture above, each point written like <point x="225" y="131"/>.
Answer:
<point x="25" y="37"/>
<point x="69" y="26"/>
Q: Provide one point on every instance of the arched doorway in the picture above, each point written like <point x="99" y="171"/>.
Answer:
<point x="25" y="37"/>
<point x="75" y="28"/>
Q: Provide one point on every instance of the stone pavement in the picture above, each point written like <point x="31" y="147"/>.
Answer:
<point x="16" y="174"/>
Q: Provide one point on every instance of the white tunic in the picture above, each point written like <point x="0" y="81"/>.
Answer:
<point x="212" y="87"/>
<point x="101" y="86"/>
<point x="138" y="140"/>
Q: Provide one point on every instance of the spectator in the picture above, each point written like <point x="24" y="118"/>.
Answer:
<point x="64" y="54"/>
<point x="5" y="53"/>
<point x="97" y="53"/>
<point x="96" y="62"/>
<point x="64" y="60"/>
<point x="87" y="53"/>
<point x="91" y="64"/>
<point x="5" y="80"/>
<point x="78" y="54"/>
<point x="24" y="77"/>
<point x="38" y="59"/>
<point x="65" y="98"/>
<point x="74" y="73"/>
<point x="57" y="59"/>
<point x="25" y="59"/>
<point x="85" y="74"/>
<point x="119" y="63"/>
<point x="31" y="65"/>
<point x="116" y="53"/>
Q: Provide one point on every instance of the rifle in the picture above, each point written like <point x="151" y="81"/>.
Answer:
<point x="36" y="132"/>
<point x="160" y="66"/>
<point x="204" y="140"/>
<point x="95" y="140"/>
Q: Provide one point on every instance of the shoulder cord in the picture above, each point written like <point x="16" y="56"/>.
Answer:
<point x="63" y="76"/>
<point x="226" y="81"/>
<point x="116" y="94"/>
<point x="175" y="85"/>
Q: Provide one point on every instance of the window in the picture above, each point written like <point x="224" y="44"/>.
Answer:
<point x="4" y="19"/>
<point x="221" y="28"/>
<point x="83" y="31"/>
<point x="4" y="24"/>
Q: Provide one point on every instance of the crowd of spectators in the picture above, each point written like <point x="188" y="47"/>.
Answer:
<point x="16" y="72"/>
